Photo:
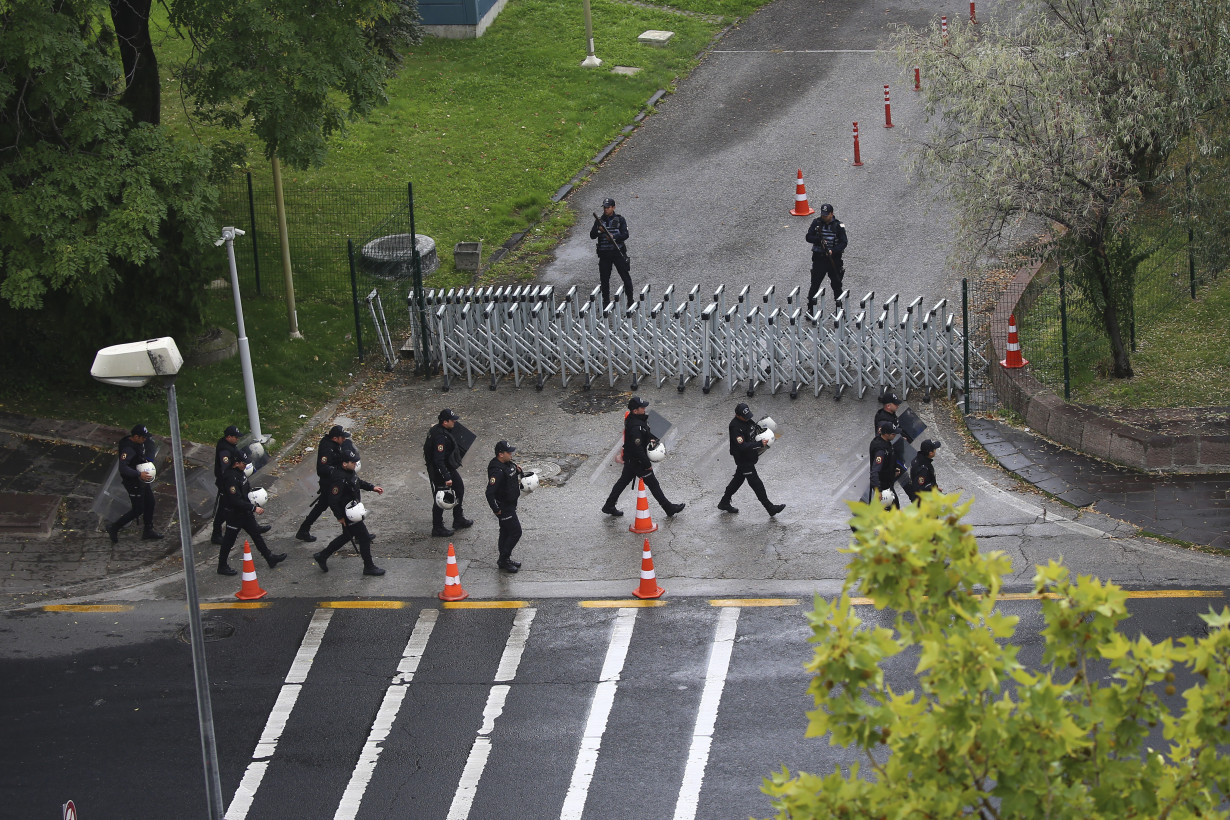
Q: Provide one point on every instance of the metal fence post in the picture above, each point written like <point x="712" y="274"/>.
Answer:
<point x="354" y="299"/>
<point x="965" y="336"/>
<point x="1063" y="329"/>
<point x="1191" y="254"/>
<point x="256" y="259"/>
<point x="422" y="366"/>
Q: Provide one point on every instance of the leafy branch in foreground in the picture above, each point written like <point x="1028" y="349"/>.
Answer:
<point x="983" y="734"/>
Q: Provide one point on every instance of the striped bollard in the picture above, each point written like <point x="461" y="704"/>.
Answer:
<point x="944" y="28"/>
<point x="917" y="79"/>
<point x="857" y="159"/>
<point x="973" y="18"/>
<point x="888" y="110"/>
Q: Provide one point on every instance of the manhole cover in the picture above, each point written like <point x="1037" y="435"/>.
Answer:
<point x="596" y="401"/>
<point x="553" y="469"/>
<point x="544" y="469"/>
<point x="213" y="628"/>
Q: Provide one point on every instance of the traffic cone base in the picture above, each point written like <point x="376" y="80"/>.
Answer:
<point x="249" y="590"/>
<point x="452" y="579"/>
<point x="1013" y="358"/>
<point x="801" y="206"/>
<point x="649" y="581"/>
<point x="642" y="524"/>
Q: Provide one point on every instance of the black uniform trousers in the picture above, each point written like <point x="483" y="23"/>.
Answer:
<point x="510" y="531"/>
<point x="823" y="265"/>
<point x="437" y="512"/>
<point x="358" y="531"/>
<point x="219" y="516"/>
<point x="747" y="472"/>
<point x="628" y="476"/>
<point x="605" y="260"/>
<point x="236" y="521"/>
<point x="142" y="499"/>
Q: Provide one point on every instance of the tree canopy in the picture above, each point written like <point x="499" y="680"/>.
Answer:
<point x="982" y="734"/>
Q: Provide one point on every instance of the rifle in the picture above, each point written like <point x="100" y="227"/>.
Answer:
<point x="603" y="228"/>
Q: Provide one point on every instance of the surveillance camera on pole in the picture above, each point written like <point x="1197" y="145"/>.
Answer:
<point x="245" y="355"/>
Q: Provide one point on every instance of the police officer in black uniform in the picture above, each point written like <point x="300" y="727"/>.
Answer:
<point x="345" y="486"/>
<point x="637" y="441"/>
<point x="241" y="514"/>
<point x="888" y="412"/>
<point x="224" y="456"/>
<point x="503" y="492"/>
<point x="131" y="456"/>
<point x="328" y="454"/>
<point x="828" y="242"/>
<point x="746" y="450"/>
<point x="922" y="470"/>
<point x="443" y="456"/>
<point x="611" y="231"/>
<point x="884" y="471"/>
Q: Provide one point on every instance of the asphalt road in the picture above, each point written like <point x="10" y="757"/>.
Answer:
<point x="551" y="709"/>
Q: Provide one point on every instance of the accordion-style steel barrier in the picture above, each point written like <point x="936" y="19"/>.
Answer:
<point x="766" y="342"/>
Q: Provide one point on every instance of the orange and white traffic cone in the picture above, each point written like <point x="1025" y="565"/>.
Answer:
<point x="801" y="207"/>
<point x="452" y="580"/>
<point x="1013" y="358"/>
<point x="250" y="590"/>
<point x="642" y="524"/>
<point x="649" y="580"/>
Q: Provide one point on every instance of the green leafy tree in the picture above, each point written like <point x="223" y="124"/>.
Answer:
<point x="982" y="735"/>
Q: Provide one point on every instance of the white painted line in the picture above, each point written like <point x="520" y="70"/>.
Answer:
<point x="348" y="809"/>
<point x="599" y="711"/>
<point x="467" y="787"/>
<point x="276" y="724"/>
<point x="706" y="714"/>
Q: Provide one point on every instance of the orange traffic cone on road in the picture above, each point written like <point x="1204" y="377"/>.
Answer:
<point x="801" y="207"/>
<point x="1013" y="358"/>
<point x="250" y="590"/>
<point x="649" y="580"/>
<point x="452" y="579"/>
<point x="642" y="524"/>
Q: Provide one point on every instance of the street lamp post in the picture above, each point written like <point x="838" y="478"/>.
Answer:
<point x="134" y="365"/>
<point x="245" y="355"/>
<point x="591" y="61"/>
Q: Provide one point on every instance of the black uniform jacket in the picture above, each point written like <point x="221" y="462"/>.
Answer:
<point x="344" y="487"/>
<point x="815" y="235"/>
<point x="743" y="444"/>
<point x="224" y="457"/>
<point x="883" y="464"/>
<point x="131" y="454"/>
<point x="503" y="486"/>
<point x="618" y="228"/>
<point x="326" y="459"/>
<point x="637" y="440"/>
<point x="442" y="454"/>
<point x="235" y="491"/>
<point x="922" y="473"/>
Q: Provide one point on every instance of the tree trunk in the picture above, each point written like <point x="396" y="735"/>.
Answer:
<point x="142" y="93"/>
<point x="1114" y="332"/>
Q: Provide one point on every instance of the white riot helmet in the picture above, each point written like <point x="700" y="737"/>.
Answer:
<point x="258" y="497"/>
<point x="147" y="471"/>
<point x="766" y="437"/>
<point x="358" y="465"/>
<point x="657" y="452"/>
<point x="768" y="423"/>
<point x="529" y="482"/>
<point x="446" y="499"/>
<point x="888" y="498"/>
<point x="248" y="470"/>
<point x="355" y="511"/>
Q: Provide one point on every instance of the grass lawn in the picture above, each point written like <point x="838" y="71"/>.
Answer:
<point x="486" y="130"/>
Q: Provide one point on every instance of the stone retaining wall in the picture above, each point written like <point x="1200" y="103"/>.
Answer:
<point x="1083" y="428"/>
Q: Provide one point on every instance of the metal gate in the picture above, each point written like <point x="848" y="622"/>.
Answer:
<point x="746" y="342"/>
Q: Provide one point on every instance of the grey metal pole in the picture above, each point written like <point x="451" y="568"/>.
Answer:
<point x="245" y="355"/>
<point x="591" y="61"/>
<point x="354" y="298"/>
<point x="1063" y="328"/>
<point x="204" y="707"/>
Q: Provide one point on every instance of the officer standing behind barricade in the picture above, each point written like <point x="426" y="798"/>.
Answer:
<point x="443" y="456"/>
<point x="136" y="474"/>
<point x="747" y="442"/>
<point x="637" y="441"/>
<point x="224" y="456"/>
<point x="828" y="242"/>
<point x="884" y="470"/>
<point x="240" y="504"/>
<point x="611" y="231"/>
<point x="922" y="470"/>
<point x="346" y="503"/>
<point x="503" y="492"/>
<point x="327" y="457"/>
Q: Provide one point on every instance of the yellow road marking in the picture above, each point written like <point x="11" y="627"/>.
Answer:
<point x="1131" y="593"/>
<point x="362" y="604"/>
<point x="485" y="604"/>
<point x="87" y="608"/>
<point x="635" y="602"/>
<point x="754" y="602"/>
<point x="238" y="605"/>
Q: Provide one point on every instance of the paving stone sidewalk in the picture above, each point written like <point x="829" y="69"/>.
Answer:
<point x="1193" y="508"/>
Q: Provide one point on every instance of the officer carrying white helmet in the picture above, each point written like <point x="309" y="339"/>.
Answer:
<point x="345" y="501"/>
<point x="747" y="441"/>
<point x="503" y="492"/>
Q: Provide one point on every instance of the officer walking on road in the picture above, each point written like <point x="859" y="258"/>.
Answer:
<point x="136" y="474"/>
<point x="889" y="403"/>
<point x="224" y="456"/>
<point x="922" y="470"/>
<point x="637" y="441"/>
<point x="503" y="492"/>
<point x="328" y="454"/>
<point x="346" y="504"/>
<point x="611" y="231"/>
<point x="884" y="470"/>
<point x="443" y="456"/>
<point x="746" y="449"/>
<point x="828" y="242"/>
<point x="241" y="511"/>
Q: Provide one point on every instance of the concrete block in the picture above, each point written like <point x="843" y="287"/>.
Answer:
<point x="467" y="255"/>
<point x="1095" y="437"/>
<point x="1067" y="425"/>
<point x="1127" y="447"/>
<point x="1039" y="410"/>
<point x="1185" y="452"/>
<point x="1215" y="451"/>
<point x="654" y="37"/>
